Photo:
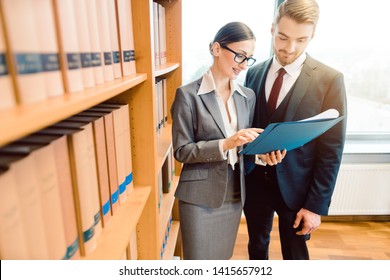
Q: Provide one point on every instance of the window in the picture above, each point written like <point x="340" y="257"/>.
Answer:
<point x="351" y="37"/>
<point x="203" y="18"/>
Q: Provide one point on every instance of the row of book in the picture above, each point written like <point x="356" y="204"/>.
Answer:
<point x="159" y="39"/>
<point x="60" y="186"/>
<point x="161" y="104"/>
<point x="54" y="47"/>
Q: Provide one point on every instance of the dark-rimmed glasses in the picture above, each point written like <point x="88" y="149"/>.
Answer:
<point x="240" y="58"/>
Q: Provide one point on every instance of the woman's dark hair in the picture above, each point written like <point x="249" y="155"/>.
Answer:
<point x="233" y="32"/>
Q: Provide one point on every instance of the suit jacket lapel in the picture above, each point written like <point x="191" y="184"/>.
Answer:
<point x="211" y="103"/>
<point x="300" y="88"/>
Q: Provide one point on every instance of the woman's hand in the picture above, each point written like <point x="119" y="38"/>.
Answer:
<point x="273" y="157"/>
<point x="241" y="137"/>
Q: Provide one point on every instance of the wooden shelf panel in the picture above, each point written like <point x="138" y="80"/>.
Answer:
<point x="114" y="238"/>
<point x="172" y="239"/>
<point x="25" y="119"/>
<point x="165" y="69"/>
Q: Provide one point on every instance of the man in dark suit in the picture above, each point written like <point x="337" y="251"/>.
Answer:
<point x="300" y="188"/>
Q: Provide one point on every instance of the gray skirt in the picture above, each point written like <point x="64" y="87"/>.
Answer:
<point x="210" y="233"/>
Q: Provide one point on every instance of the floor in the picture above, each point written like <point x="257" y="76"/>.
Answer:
<point x="334" y="240"/>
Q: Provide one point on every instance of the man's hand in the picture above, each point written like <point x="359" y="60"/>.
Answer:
<point x="310" y="221"/>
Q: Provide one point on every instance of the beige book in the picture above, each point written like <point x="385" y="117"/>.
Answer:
<point x="68" y="45"/>
<point x="13" y="244"/>
<point x="162" y="34"/>
<point x="84" y="40"/>
<point x="45" y="164"/>
<point x="32" y="208"/>
<point x="61" y="152"/>
<point x="44" y="17"/>
<point x="126" y="37"/>
<point x="105" y="43"/>
<point x="156" y="30"/>
<point x="111" y="155"/>
<point x="101" y="162"/>
<point x="22" y="34"/>
<point x="127" y="144"/>
<point x="94" y="35"/>
<point x="7" y="93"/>
<point x="114" y="38"/>
<point x="85" y="183"/>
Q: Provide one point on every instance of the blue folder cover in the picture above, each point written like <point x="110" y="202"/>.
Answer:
<point x="288" y="135"/>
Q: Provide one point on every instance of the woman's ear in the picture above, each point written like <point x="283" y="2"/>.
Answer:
<point x="215" y="49"/>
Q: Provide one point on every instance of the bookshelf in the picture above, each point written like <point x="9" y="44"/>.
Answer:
<point x="149" y="149"/>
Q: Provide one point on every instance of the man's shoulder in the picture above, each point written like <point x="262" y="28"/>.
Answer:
<point x="319" y="65"/>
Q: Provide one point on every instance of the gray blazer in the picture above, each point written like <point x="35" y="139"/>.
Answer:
<point x="196" y="130"/>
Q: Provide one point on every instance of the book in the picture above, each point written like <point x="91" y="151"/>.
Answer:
<point x="156" y="30"/>
<point x="13" y="244"/>
<point x="70" y="61"/>
<point x="114" y="39"/>
<point x="26" y="184"/>
<point x="22" y="35"/>
<point x="105" y="39"/>
<point x="291" y="135"/>
<point x="44" y="17"/>
<point x="126" y="37"/>
<point x="101" y="162"/>
<point x="94" y="35"/>
<point x="162" y="34"/>
<point x="84" y="40"/>
<point x="7" y="93"/>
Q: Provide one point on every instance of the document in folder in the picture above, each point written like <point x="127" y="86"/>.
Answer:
<point x="291" y="135"/>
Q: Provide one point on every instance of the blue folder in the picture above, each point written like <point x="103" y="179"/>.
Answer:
<point x="288" y="135"/>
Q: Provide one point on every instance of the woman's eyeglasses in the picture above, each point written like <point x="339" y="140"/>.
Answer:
<point x="240" y="58"/>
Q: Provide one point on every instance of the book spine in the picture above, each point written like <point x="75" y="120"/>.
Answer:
<point x="22" y="36"/>
<point x="51" y="201"/>
<point x="31" y="205"/>
<point x="114" y="38"/>
<point x="7" y="93"/>
<point x="13" y="244"/>
<point x="104" y="27"/>
<point x="84" y="40"/>
<point x="70" y="60"/>
<point x="44" y="17"/>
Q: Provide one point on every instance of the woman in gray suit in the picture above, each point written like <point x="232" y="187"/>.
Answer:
<point x="211" y="119"/>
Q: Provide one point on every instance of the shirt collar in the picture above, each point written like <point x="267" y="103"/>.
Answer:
<point x="292" y="68"/>
<point x="207" y="85"/>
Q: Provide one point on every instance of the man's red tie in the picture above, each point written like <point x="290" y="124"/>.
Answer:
<point x="273" y="97"/>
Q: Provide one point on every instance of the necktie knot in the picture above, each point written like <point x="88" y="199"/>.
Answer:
<point x="273" y="97"/>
